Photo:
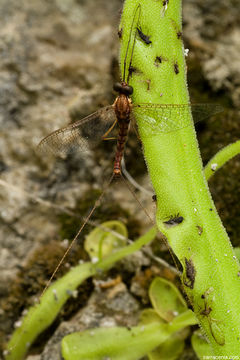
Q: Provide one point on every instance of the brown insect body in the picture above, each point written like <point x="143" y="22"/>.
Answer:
<point x="122" y="108"/>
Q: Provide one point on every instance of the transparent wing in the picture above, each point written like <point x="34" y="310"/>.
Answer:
<point x="82" y="135"/>
<point x="171" y="117"/>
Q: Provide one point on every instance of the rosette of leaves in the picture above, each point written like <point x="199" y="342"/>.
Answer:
<point x="160" y="334"/>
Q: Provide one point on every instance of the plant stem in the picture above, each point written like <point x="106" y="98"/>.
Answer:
<point x="177" y="175"/>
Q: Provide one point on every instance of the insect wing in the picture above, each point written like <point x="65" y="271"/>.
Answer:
<point x="82" y="135"/>
<point x="165" y="118"/>
<point x="204" y="111"/>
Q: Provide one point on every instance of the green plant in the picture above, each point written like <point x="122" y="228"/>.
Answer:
<point x="200" y="241"/>
<point x="160" y="332"/>
<point x="39" y="317"/>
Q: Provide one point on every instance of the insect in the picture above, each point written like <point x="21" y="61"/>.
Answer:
<point x="215" y="329"/>
<point x="176" y="68"/>
<point x="177" y="30"/>
<point x="165" y="6"/>
<point x="120" y="31"/>
<point x="190" y="273"/>
<point x="131" y="70"/>
<point x="158" y="60"/>
<point x="179" y="34"/>
<point x="200" y="229"/>
<point x="145" y="38"/>
<point x="174" y="220"/>
<point x="154" y="198"/>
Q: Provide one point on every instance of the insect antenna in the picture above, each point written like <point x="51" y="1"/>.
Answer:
<point x="135" y="16"/>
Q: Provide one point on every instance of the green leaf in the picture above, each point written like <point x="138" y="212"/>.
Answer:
<point x="114" y="343"/>
<point x="166" y="299"/>
<point x="149" y="316"/>
<point x="102" y="241"/>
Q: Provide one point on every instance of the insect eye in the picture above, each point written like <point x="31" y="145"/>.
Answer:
<point x="123" y="88"/>
<point x="128" y="90"/>
<point x="117" y="87"/>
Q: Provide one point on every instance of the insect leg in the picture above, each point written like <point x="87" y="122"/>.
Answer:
<point x="104" y="137"/>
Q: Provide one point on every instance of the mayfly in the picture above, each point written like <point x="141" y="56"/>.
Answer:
<point x="89" y="131"/>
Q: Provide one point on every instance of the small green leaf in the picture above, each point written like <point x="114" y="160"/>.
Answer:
<point x="114" y="343"/>
<point x="166" y="299"/>
<point x="102" y="241"/>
